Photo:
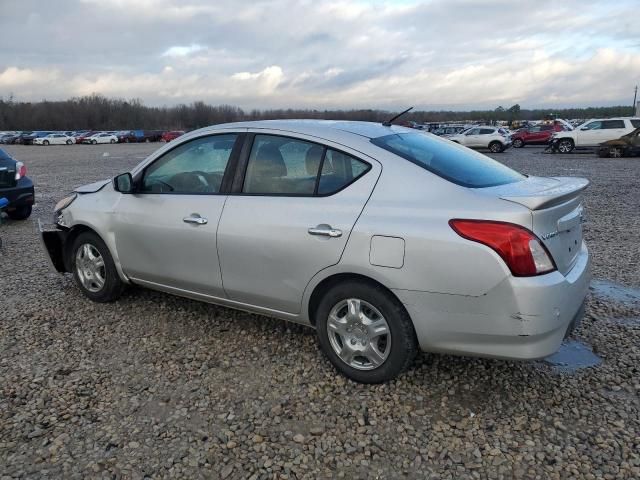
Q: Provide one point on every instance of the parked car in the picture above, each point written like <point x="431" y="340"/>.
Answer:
<point x="626" y="146"/>
<point x="484" y="137"/>
<point x="139" y="136"/>
<point x="15" y="187"/>
<point x="100" y="138"/>
<point x="54" y="139"/>
<point x="80" y="136"/>
<point x="172" y="135"/>
<point x="594" y="132"/>
<point x="535" y="135"/>
<point x="391" y="241"/>
<point x="28" y="139"/>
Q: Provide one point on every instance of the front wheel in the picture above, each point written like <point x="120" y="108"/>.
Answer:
<point x="518" y="143"/>
<point x="94" y="270"/>
<point x="45" y="143"/>
<point x="365" y="332"/>
<point x="69" y="142"/>
<point x="615" y="152"/>
<point x="565" y="145"/>
<point x="112" y="141"/>
<point x="496" y="147"/>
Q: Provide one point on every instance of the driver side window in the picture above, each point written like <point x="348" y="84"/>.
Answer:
<point x="195" y="167"/>
<point x="593" y="126"/>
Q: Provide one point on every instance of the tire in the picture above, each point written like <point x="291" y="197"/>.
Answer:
<point x="98" y="283"/>
<point x="395" y="350"/>
<point x="518" y="143"/>
<point x="20" y="213"/>
<point x="565" y="145"/>
<point x="45" y="142"/>
<point x="147" y="140"/>
<point x="496" y="147"/>
<point x="126" y="140"/>
<point x="94" y="142"/>
<point x="112" y="141"/>
<point x="69" y="142"/>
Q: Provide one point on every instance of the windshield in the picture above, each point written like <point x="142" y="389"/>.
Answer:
<point x="452" y="162"/>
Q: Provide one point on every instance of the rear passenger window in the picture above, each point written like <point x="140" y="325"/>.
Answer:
<point x="611" y="124"/>
<point x="281" y="166"/>
<point x="486" y="131"/>
<point x="287" y="166"/>
<point x="338" y="171"/>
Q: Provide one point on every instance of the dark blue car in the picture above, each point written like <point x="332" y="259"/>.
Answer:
<point x="15" y="187"/>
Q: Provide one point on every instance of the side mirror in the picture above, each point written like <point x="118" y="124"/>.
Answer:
<point x="123" y="183"/>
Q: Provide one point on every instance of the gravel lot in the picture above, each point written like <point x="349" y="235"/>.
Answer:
<point x="159" y="386"/>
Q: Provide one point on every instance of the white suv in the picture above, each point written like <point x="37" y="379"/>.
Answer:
<point x="494" y="138"/>
<point x="595" y="131"/>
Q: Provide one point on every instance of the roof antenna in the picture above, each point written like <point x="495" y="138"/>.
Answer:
<point x="389" y="122"/>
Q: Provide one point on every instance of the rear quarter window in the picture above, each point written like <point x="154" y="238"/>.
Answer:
<point x="452" y="162"/>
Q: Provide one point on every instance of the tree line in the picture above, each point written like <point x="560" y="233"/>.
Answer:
<point x="97" y="112"/>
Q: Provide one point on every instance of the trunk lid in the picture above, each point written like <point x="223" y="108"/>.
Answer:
<point x="556" y="211"/>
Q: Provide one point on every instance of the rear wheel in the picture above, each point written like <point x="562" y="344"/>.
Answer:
<point x="518" y="143"/>
<point x="365" y="332"/>
<point x="94" y="270"/>
<point x="112" y="141"/>
<point x="147" y="140"/>
<point x="20" y="213"/>
<point x="496" y="147"/>
<point x="565" y="145"/>
<point x="69" y="142"/>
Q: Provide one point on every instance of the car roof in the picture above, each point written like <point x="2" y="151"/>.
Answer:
<point x="328" y="129"/>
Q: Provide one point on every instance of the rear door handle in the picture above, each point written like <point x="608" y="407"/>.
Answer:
<point x="325" y="230"/>
<point x="195" y="219"/>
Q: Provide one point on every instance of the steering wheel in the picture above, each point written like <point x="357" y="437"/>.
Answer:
<point x="195" y="181"/>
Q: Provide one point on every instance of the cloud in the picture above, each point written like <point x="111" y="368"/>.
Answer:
<point x="182" y="51"/>
<point x="332" y="54"/>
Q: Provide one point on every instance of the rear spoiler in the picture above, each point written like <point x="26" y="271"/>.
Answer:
<point x="552" y="193"/>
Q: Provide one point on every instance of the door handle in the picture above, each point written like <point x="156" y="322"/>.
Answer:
<point x="195" y="219"/>
<point x="325" y="230"/>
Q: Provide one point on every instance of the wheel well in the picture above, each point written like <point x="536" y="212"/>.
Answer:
<point x="329" y="282"/>
<point x="68" y="243"/>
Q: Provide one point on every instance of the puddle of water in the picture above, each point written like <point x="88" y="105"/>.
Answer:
<point x="615" y="292"/>
<point x="573" y="355"/>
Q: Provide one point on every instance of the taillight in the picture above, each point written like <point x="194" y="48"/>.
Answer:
<point x="21" y="170"/>
<point x="520" y="249"/>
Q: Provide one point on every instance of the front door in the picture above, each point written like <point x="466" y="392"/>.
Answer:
<point x="472" y="138"/>
<point x="290" y="217"/>
<point x="166" y="232"/>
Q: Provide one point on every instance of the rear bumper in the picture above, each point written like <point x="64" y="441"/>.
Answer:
<point x="21" y="195"/>
<point x="521" y="318"/>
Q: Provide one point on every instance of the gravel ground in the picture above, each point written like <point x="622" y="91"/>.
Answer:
<point x="159" y="386"/>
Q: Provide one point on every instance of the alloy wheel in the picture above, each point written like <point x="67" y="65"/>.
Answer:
<point x="615" y="152"/>
<point x="565" y="146"/>
<point x="359" y="334"/>
<point x="90" y="267"/>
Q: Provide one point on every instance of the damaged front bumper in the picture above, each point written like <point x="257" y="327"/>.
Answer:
<point x="53" y="240"/>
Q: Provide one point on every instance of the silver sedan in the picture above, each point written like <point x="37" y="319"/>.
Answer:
<point x="386" y="240"/>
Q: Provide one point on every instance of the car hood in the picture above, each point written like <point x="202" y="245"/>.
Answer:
<point x="92" y="187"/>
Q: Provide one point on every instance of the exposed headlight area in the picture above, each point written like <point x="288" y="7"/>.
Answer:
<point x="64" y="203"/>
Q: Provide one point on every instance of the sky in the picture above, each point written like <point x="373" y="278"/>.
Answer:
<point x="433" y="54"/>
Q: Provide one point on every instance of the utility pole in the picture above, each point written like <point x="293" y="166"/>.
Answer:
<point x="635" y="105"/>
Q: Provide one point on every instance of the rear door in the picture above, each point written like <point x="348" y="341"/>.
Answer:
<point x="294" y="204"/>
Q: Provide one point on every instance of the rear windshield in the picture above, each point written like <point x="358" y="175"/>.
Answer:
<point x="452" y="162"/>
